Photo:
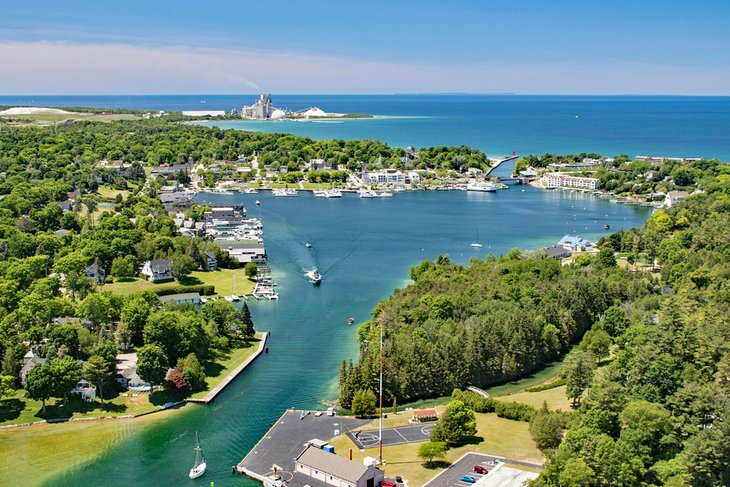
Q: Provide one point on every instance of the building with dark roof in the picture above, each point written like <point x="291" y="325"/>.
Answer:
<point x="557" y="252"/>
<point x="157" y="270"/>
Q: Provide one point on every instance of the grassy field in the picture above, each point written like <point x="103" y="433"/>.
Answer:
<point x="222" y="279"/>
<point x="555" y="398"/>
<point x="44" y="450"/>
<point x="225" y="362"/>
<point x="495" y="436"/>
<point x="110" y="194"/>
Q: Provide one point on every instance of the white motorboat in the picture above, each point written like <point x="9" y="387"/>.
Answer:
<point x="319" y="193"/>
<point x="200" y="465"/>
<point x="487" y="187"/>
<point x="365" y="193"/>
<point x="308" y="245"/>
<point x="385" y="194"/>
<point x="333" y="193"/>
<point x="258" y="202"/>
<point x="285" y="192"/>
<point x="314" y="277"/>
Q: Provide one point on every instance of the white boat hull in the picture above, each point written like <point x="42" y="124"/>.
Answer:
<point x="197" y="471"/>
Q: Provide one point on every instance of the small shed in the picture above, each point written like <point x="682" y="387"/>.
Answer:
<point x="425" y="415"/>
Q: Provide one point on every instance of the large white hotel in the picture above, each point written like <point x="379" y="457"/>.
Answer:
<point x="562" y="180"/>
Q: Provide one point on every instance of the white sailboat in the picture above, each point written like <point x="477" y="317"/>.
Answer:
<point x="200" y="465"/>
<point x="476" y="244"/>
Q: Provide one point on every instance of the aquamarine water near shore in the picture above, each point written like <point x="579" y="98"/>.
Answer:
<point x="363" y="247"/>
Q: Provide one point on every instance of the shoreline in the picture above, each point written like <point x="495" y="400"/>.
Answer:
<point x="207" y="399"/>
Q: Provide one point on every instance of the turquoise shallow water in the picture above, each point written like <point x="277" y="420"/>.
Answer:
<point x="364" y="248"/>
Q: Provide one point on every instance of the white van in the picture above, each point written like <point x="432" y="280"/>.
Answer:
<point x="330" y="411"/>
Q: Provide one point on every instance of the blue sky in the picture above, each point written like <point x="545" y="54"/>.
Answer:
<point x="557" y="46"/>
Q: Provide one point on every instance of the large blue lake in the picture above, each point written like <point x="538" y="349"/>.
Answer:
<point x="364" y="247"/>
<point x="497" y="124"/>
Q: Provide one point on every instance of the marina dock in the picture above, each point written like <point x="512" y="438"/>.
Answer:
<point x="286" y="439"/>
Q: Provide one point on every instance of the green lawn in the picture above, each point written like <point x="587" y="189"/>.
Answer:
<point x="110" y="194"/>
<point x="222" y="280"/>
<point x="495" y="435"/>
<point x="20" y="409"/>
<point x="555" y="398"/>
<point x="225" y="362"/>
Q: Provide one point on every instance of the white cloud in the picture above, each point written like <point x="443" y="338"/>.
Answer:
<point x="67" y="68"/>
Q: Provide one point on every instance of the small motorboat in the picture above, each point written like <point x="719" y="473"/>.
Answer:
<point x="200" y="465"/>
<point x="258" y="202"/>
<point x="607" y="227"/>
<point x="350" y="320"/>
<point x="314" y="277"/>
<point x="308" y="245"/>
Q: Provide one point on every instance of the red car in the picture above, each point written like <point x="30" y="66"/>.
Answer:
<point x="387" y="483"/>
<point x="480" y="469"/>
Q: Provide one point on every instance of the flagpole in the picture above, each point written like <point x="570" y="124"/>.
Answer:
<point x="380" y="435"/>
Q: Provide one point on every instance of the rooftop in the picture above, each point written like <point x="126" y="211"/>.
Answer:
<point x="332" y="464"/>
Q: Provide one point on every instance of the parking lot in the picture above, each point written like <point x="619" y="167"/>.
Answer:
<point x="451" y="477"/>
<point x="392" y="436"/>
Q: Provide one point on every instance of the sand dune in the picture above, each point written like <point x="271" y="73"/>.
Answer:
<point x="33" y="111"/>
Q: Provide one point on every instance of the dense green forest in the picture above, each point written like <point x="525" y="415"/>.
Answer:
<point x="657" y="414"/>
<point x="487" y="322"/>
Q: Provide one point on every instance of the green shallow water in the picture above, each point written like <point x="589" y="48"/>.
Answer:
<point x="363" y="247"/>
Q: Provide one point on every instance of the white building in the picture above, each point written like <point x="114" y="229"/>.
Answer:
<point x="562" y="180"/>
<point x="335" y="470"/>
<point x="674" y="197"/>
<point x="385" y="176"/>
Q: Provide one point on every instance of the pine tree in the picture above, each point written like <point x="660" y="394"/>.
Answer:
<point x="247" y="329"/>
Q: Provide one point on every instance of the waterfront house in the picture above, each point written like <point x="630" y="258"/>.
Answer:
<point x="126" y="373"/>
<point x="243" y="252"/>
<point x="86" y="390"/>
<point x="95" y="273"/>
<point x="157" y="270"/>
<point x="557" y="252"/>
<point x="180" y="298"/>
<point x="336" y="470"/>
<point x="674" y="197"/>
<point x="574" y="244"/>
<point x="211" y="262"/>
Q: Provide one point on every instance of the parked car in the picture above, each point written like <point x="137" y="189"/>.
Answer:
<point x="387" y="483"/>
<point x="468" y="479"/>
<point x="481" y="469"/>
